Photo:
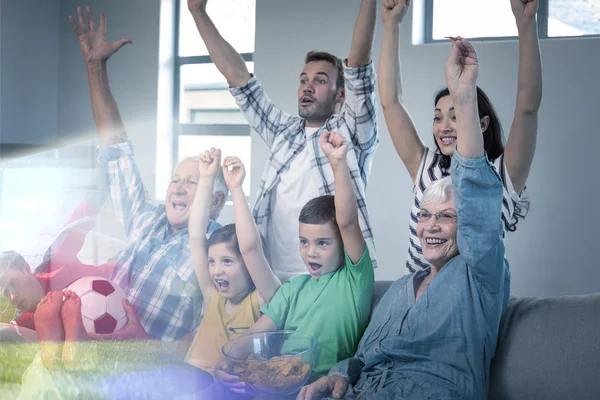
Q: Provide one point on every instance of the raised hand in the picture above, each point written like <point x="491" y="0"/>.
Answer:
<point x="462" y="67"/>
<point x="395" y="10"/>
<point x="334" y="145"/>
<point x="209" y="163"/>
<point x="524" y="9"/>
<point x="334" y="386"/>
<point x="92" y="40"/>
<point x="234" y="172"/>
<point x="197" y="5"/>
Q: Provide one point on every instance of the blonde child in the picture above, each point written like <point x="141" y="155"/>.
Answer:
<point x="232" y="266"/>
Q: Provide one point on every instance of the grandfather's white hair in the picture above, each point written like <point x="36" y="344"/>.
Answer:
<point x="438" y="191"/>
<point x="220" y="185"/>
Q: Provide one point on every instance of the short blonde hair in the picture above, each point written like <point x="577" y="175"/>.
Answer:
<point x="438" y="191"/>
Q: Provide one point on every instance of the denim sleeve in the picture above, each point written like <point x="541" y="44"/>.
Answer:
<point x="478" y="200"/>
<point x="260" y="112"/>
<point x="125" y="188"/>
<point x="349" y="368"/>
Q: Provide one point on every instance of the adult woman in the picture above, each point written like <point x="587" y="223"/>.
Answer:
<point x="434" y="333"/>
<point x="427" y="165"/>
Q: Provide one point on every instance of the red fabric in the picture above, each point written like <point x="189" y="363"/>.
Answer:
<point x="64" y="267"/>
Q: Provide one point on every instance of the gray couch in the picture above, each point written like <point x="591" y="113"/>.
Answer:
<point x="548" y="348"/>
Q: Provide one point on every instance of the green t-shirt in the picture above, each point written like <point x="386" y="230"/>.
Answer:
<point x="335" y="309"/>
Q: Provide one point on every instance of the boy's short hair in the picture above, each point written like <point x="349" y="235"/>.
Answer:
<point x="12" y="261"/>
<point x="228" y="235"/>
<point x="330" y="58"/>
<point x="319" y="211"/>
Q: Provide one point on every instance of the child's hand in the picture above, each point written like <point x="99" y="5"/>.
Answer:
<point x="234" y="172"/>
<point x="334" y="145"/>
<point x="208" y="163"/>
<point x="222" y="373"/>
<point x="524" y="9"/>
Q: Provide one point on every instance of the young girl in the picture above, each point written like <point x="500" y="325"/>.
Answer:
<point x="232" y="266"/>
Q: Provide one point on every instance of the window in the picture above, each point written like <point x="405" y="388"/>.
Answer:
<point x="206" y="114"/>
<point x="476" y="19"/>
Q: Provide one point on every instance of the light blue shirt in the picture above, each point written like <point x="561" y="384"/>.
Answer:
<point x="441" y="346"/>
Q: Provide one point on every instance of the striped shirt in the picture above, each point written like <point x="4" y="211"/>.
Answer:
<point x="429" y="171"/>
<point x="155" y="268"/>
<point x="285" y="136"/>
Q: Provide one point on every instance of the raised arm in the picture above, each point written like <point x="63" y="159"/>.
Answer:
<point x="227" y="60"/>
<point x="208" y="166"/>
<point x="335" y="147"/>
<point x="249" y="240"/>
<point x="520" y="147"/>
<point x="402" y="129"/>
<point x="362" y="37"/>
<point x="462" y="68"/>
<point x="96" y="51"/>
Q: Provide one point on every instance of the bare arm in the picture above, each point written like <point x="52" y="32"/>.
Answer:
<point x="96" y="51"/>
<point x="335" y="147"/>
<point x="402" y="129"/>
<point x="248" y="235"/>
<point x="209" y="164"/>
<point x="520" y="147"/>
<point x="362" y="37"/>
<point x="226" y="58"/>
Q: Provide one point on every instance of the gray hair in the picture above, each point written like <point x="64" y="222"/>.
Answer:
<point x="11" y="261"/>
<point x="438" y="191"/>
<point x="220" y="185"/>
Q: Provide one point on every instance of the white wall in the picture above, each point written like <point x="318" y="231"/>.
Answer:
<point x="551" y="253"/>
<point x="29" y="42"/>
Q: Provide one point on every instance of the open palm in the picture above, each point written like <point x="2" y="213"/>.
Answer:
<point x="92" y="40"/>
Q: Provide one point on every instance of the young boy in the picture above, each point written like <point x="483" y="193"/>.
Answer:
<point x="333" y="301"/>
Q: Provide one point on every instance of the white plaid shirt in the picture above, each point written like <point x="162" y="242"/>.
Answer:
<point x="285" y="136"/>
<point x="155" y="269"/>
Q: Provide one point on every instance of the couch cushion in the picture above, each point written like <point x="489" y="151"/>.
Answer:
<point x="548" y="348"/>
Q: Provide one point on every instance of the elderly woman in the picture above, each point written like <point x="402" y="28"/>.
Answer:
<point x="434" y="333"/>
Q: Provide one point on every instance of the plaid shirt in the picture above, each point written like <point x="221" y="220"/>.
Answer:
<point x="285" y="136"/>
<point x="155" y="268"/>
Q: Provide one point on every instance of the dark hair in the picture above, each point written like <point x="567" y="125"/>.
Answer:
<point x="330" y="58"/>
<point x="318" y="211"/>
<point x="228" y="235"/>
<point x="493" y="144"/>
<point x="493" y="140"/>
<point x="12" y="261"/>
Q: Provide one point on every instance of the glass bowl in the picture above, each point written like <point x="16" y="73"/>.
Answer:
<point x="272" y="362"/>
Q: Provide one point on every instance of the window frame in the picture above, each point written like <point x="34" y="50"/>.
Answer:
<point x="195" y="129"/>
<point x="542" y="24"/>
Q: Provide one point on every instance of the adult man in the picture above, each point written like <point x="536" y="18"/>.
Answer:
<point x="155" y="268"/>
<point x="297" y="169"/>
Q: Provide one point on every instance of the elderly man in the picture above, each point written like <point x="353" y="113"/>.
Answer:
<point x="155" y="268"/>
<point x="434" y="333"/>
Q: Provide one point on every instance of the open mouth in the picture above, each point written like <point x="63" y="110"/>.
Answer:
<point x="448" y="140"/>
<point x="314" y="267"/>
<point x="304" y="101"/>
<point x="179" y="205"/>
<point x="435" y="241"/>
<point x="222" y="284"/>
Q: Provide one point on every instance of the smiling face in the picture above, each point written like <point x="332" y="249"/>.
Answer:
<point x="180" y="194"/>
<point x="22" y="289"/>
<point x="321" y="248"/>
<point x="318" y="93"/>
<point x="229" y="273"/>
<point x="438" y="237"/>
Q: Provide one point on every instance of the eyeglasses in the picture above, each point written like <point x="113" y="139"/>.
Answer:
<point x="443" y="217"/>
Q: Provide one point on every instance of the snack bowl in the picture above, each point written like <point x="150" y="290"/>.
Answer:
<point x="272" y="362"/>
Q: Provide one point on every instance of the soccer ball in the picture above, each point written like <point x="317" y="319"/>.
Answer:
<point x="101" y="304"/>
